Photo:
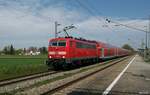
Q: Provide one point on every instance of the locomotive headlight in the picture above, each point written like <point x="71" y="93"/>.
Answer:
<point x="50" y="56"/>
<point x="63" y="56"/>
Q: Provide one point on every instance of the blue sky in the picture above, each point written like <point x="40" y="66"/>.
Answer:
<point x="122" y="8"/>
<point x="25" y="23"/>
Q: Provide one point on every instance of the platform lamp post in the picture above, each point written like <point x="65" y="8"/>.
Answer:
<point x="147" y="41"/>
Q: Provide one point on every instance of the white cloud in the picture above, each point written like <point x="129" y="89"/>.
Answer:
<point x="23" y="25"/>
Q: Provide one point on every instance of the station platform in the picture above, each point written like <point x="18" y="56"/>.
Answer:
<point x="134" y="81"/>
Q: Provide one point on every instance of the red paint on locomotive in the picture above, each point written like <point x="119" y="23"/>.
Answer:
<point x="68" y="51"/>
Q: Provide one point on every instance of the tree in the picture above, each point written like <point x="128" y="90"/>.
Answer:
<point x="12" y="50"/>
<point x="6" y="50"/>
<point x="43" y="50"/>
<point x="24" y="50"/>
<point x="0" y="52"/>
<point x="19" y="51"/>
<point x="9" y="50"/>
<point x="34" y="49"/>
<point x="128" y="47"/>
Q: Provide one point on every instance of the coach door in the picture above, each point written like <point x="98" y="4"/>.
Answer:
<point x="102" y="52"/>
<point x="72" y="49"/>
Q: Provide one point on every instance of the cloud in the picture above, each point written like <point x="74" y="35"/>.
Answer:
<point x="27" y="23"/>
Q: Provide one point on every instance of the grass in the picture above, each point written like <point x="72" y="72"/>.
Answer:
<point x="15" y="66"/>
<point x="22" y="56"/>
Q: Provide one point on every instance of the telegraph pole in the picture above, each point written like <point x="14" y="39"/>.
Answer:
<point x="56" y="26"/>
<point x="149" y="39"/>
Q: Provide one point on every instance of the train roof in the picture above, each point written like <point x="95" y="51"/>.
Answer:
<point x="102" y="44"/>
<point x="79" y="39"/>
<point x="85" y="40"/>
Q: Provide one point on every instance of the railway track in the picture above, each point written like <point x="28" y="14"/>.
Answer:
<point x="11" y="82"/>
<point x="56" y="89"/>
<point x="24" y="78"/>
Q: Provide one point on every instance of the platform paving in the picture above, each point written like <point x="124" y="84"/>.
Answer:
<point x="135" y="80"/>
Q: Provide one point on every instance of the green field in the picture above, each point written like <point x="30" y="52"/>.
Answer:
<point x="14" y="66"/>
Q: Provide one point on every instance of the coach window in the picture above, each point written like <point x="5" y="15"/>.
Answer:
<point x="78" y="45"/>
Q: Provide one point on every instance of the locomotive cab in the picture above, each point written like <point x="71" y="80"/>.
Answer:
<point x="57" y="52"/>
<point x="57" y="49"/>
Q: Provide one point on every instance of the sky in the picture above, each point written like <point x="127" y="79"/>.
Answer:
<point x="25" y="23"/>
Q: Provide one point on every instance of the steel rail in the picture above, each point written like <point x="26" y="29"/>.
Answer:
<point x="24" y="78"/>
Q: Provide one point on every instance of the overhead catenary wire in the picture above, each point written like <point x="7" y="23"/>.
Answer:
<point x="110" y="21"/>
<point x="106" y="18"/>
<point x="98" y="19"/>
<point x="91" y="12"/>
<point x="88" y="10"/>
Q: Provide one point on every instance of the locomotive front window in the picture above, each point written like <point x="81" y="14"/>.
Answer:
<point x="53" y="44"/>
<point x="57" y="43"/>
<point x="62" y="43"/>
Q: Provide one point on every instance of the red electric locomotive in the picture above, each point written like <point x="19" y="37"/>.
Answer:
<point x="67" y="52"/>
